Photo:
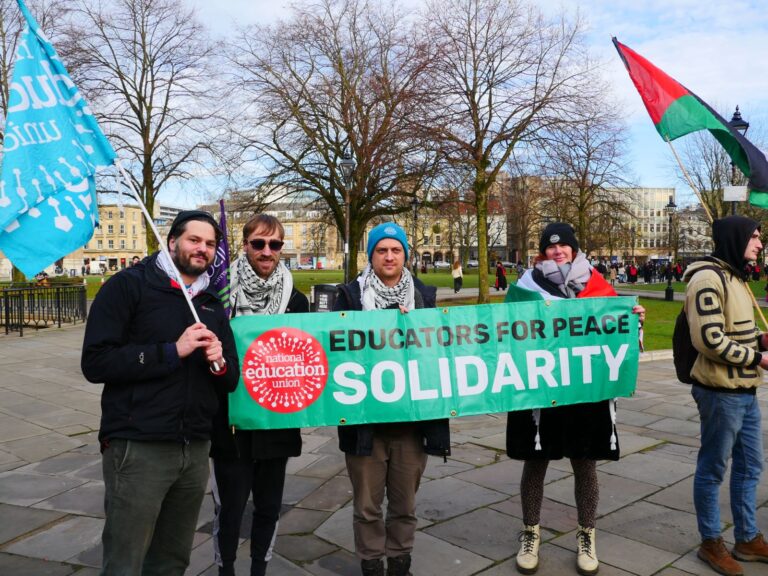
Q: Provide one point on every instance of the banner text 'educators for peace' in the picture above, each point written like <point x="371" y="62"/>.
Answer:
<point x="335" y="368"/>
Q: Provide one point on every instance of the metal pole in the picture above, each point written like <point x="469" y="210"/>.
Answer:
<point x="669" y="293"/>
<point x="346" y="234"/>
<point x="415" y="265"/>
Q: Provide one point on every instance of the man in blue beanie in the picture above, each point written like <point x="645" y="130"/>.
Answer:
<point x="388" y="457"/>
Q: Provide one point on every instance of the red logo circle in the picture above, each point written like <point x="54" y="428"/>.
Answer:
<point x="285" y="370"/>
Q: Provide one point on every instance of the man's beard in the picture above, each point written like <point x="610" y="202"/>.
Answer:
<point x="184" y="264"/>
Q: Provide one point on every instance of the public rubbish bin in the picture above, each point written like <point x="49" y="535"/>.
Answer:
<point x="322" y="297"/>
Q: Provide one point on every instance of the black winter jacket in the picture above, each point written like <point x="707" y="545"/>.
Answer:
<point x="357" y="439"/>
<point x="149" y="392"/>
<point x="256" y="444"/>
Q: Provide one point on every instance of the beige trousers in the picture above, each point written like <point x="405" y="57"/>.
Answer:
<point x="394" y="469"/>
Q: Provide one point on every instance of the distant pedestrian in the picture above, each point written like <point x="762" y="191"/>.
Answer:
<point x="458" y="277"/>
<point x="501" y="277"/>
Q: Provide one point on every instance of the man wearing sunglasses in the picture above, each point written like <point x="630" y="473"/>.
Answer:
<point x="253" y="461"/>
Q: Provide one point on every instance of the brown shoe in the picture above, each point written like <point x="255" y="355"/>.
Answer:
<point x="714" y="553"/>
<point x="756" y="550"/>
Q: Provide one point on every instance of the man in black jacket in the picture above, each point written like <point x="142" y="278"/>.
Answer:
<point x="253" y="461"/>
<point x="161" y="371"/>
<point x="388" y="457"/>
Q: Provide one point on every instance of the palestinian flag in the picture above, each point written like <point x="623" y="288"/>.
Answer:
<point x="676" y="111"/>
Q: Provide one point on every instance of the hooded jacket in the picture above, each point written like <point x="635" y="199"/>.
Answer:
<point x="720" y="316"/>
<point x="149" y="392"/>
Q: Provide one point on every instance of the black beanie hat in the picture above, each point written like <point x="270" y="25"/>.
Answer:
<point x="186" y="216"/>
<point x="558" y="233"/>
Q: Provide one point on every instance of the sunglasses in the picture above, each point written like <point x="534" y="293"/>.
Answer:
<point x="260" y="243"/>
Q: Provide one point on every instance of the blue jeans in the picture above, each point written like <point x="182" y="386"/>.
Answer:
<point x="730" y="428"/>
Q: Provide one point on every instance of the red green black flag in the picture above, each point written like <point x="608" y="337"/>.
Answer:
<point x="676" y="111"/>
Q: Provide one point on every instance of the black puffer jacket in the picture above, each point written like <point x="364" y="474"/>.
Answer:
<point x="358" y="439"/>
<point x="149" y="392"/>
<point x="256" y="444"/>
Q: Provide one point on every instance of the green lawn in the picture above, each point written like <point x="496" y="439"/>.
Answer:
<point x="758" y="287"/>
<point x="303" y="279"/>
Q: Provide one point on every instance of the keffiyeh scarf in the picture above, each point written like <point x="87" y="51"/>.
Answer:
<point x="376" y="295"/>
<point x="250" y="294"/>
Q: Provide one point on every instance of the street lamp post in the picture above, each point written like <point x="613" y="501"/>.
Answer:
<point x="669" y="293"/>
<point x="740" y="125"/>
<point x="415" y="264"/>
<point x="632" y="235"/>
<point x="347" y="165"/>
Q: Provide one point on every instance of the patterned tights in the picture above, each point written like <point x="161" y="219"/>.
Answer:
<point x="586" y="490"/>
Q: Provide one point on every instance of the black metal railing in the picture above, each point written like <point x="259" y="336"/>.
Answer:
<point x="41" y="306"/>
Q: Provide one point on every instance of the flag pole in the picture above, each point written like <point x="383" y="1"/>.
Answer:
<point x="161" y="244"/>
<point x="688" y="179"/>
<point x="709" y="215"/>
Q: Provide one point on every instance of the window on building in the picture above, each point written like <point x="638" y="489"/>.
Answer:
<point x="111" y="244"/>
<point x="134" y="244"/>
<point x="133" y="229"/>
<point x="110" y="229"/>
<point x="109" y="214"/>
<point x="288" y="230"/>
<point x="122" y="244"/>
<point x="99" y="244"/>
<point x="288" y="244"/>
<point x="122" y="228"/>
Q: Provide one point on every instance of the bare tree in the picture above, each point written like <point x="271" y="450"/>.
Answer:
<point x="502" y="73"/>
<point x="584" y="163"/>
<point x="147" y="68"/>
<point x="340" y="76"/>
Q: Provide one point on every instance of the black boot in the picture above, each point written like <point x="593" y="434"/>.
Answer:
<point x="399" y="565"/>
<point x="372" y="567"/>
<point x="258" y="567"/>
<point x="228" y="570"/>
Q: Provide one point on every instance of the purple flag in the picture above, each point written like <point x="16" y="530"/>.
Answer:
<point x="219" y="272"/>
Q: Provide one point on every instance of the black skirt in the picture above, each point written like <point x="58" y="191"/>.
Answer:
<point x="573" y="431"/>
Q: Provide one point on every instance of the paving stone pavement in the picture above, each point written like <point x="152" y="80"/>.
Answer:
<point x="51" y="490"/>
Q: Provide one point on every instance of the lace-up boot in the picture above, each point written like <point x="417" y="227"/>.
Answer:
<point x="528" y="556"/>
<point x="714" y="553"/>
<point x="372" y="567"/>
<point x="755" y="550"/>
<point x="586" y="559"/>
<point x="399" y="565"/>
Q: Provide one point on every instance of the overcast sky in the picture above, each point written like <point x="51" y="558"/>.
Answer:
<point x="716" y="49"/>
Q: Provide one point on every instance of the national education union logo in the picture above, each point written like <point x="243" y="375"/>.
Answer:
<point x="285" y="370"/>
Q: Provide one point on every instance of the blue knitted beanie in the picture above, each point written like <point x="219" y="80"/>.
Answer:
<point x="387" y="230"/>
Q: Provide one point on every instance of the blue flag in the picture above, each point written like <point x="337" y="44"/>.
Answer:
<point x="219" y="272"/>
<point x="52" y="148"/>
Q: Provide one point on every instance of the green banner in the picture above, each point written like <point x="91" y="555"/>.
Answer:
<point x="300" y="370"/>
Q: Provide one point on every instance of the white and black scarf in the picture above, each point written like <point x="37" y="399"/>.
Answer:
<point x="250" y="294"/>
<point x="199" y="285"/>
<point x="375" y="295"/>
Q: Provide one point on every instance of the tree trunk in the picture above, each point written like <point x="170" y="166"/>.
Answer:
<point x="481" y="205"/>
